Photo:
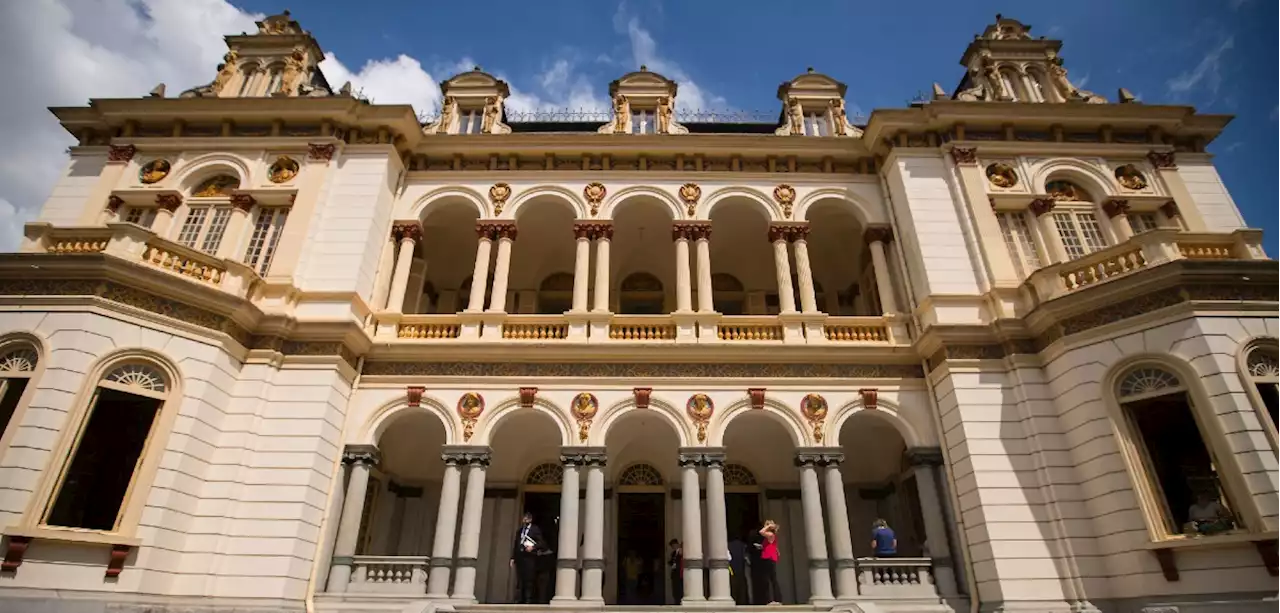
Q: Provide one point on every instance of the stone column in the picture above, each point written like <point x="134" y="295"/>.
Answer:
<point x="876" y="238"/>
<point x="925" y="462"/>
<point x="361" y="458"/>
<point x="1117" y="211"/>
<point x="684" y="289"/>
<point x="593" y="539"/>
<point x="446" y="524"/>
<point x="808" y="297"/>
<point x="233" y="236"/>
<point x="778" y="235"/>
<point x="581" y="265"/>
<point x="815" y="535"/>
<point x="1043" y="210"/>
<point x="717" y="528"/>
<point x="838" y="515"/>
<point x="167" y="204"/>
<point x="477" y="461"/>
<point x="502" y="269"/>
<point x="567" y="551"/>
<point x="480" y="274"/>
<point x="701" y="234"/>
<point x="408" y="234"/>
<point x="691" y="522"/>
<point x="603" y="236"/>
<point x="386" y="268"/>
<point x="1165" y="163"/>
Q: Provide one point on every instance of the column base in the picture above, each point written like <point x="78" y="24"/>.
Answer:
<point x="387" y="324"/>
<point x="686" y="326"/>
<point x="707" y="326"/>
<point x="598" y="325"/>
<point x="579" y="323"/>
<point x="471" y="324"/>
<point x="492" y="325"/>
<point x="898" y="334"/>
<point x="803" y="327"/>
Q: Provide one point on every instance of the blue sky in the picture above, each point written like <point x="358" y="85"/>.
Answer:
<point x="1218" y="55"/>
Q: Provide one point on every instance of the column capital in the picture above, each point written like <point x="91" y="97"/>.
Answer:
<point x="494" y="229"/>
<point x="410" y="229"/>
<point x="878" y="234"/>
<point x="169" y="200"/>
<point x="1040" y="206"/>
<point x="466" y="455"/>
<point x="243" y="202"/>
<point x="361" y="454"/>
<point x="702" y="456"/>
<point x="964" y="155"/>
<point x="692" y="230"/>
<point x="1116" y="207"/>
<point x="121" y="153"/>
<point x="819" y="456"/>
<point x="788" y="230"/>
<point x="583" y="456"/>
<point x="924" y="456"/>
<point x="1170" y="209"/>
<point x="1162" y="159"/>
<point x="592" y="229"/>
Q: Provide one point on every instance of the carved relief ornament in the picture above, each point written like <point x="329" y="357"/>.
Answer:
<point x="690" y="193"/>
<point x="814" y="408"/>
<point x="1002" y="175"/>
<point x="785" y="195"/>
<point x="585" y="407"/>
<point x="498" y="194"/>
<point x="470" y="406"/>
<point x="594" y="193"/>
<point x="700" y="408"/>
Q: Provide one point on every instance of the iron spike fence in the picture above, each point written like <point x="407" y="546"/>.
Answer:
<point x="567" y="115"/>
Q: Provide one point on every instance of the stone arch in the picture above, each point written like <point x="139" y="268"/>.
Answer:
<point x="382" y="417"/>
<point x="19" y="343"/>
<point x="789" y="418"/>
<point x="862" y="211"/>
<point x="566" y="195"/>
<point x="673" y="416"/>
<point x="205" y="166"/>
<point x="886" y="411"/>
<point x="639" y="474"/>
<point x="764" y="203"/>
<point x="1092" y="179"/>
<point x="425" y="205"/>
<point x="493" y="416"/>
<point x="620" y="198"/>
<point x="1255" y="373"/>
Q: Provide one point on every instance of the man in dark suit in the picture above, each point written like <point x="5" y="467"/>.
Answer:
<point x="755" y="545"/>
<point x="738" y="566"/>
<point x="524" y="558"/>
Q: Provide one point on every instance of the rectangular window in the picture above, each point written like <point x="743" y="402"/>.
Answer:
<point x="815" y="124"/>
<point x="103" y="461"/>
<point x="10" y="392"/>
<point x="470" y="122"/>
<point x="267" y="228"/>
<point x="203" y="228"/>
<point x="1080" y="232"/>
<point x="192" y="225"/>
<point x="141" y="216"/>
<point x="642" y="122"/>
<point x="217" y="227"/>
<point x="1143" y="222"/>
<point x="1019" y="241"/>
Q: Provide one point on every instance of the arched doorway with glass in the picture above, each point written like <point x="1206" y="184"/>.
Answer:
<point x="642" y="453"/>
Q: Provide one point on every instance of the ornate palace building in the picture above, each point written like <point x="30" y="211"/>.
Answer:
<point x="271" y="347"/>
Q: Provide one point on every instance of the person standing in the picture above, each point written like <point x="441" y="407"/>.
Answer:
<point x="675" y="568"/>
<point x="738" y="570"/>
<point x="883" y="541"/>
<point x="524" y="558"/>
<point x="755" y="547"/>
<point x="769" y="562"/>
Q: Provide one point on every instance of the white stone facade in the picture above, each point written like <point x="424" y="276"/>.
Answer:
<point x="357" y="347"/>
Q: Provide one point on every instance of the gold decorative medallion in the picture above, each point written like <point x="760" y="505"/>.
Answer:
<point x="594" y="193"/>
<point x="786" y="196"/>
<point x="498" y="194"/>
<point x="1002" y="175"/>
<point x="690" y="193"/>
<point x="584" y="410"/>
<point x="284" y="169"/>
<point x="814" y="408"/>
<point x="470" y="406"/>
<point x="154" y="171"/>
<point x="1130" y="177"/>
<point x="700" y="409"/>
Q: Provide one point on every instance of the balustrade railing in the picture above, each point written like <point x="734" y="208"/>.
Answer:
<point x="749" y="328"/>
<point x="78" y="240"/>
<point x="429" y="327"/>
<point x="535" y="328"/>
<point x="389" y="574"/>
<point x="896" y="577"/>
<point x="642" y="328"/>
<point x="185" y="261"/>
<point x="856" y="329"/>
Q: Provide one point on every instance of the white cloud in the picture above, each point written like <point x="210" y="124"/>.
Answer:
<point x="1208" y="71"/>
<point x="387" y="81"/>
<point x="644" y="52"/>
<point x="62" y="52"/>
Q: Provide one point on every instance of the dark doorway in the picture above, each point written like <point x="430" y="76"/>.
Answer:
<point x="743" y="513"/>
<point x="641" y="549"/>
<point x="545" y="507"/>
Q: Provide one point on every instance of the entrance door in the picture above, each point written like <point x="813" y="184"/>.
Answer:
<point x="641" y="529"/>
<point x="545" y="507"/>
<point x="743" y="513"/>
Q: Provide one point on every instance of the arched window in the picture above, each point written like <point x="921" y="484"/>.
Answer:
<point x="1264" y="373"/>
<point x="555" y="294"/>
<point x="546" y="474"/>
<point x="641" y="294"/>
<point x="274" y="76"/>
<point x="248" y="72"/>
<point x="737" y="475"/>
<point x="728" y="294"/>
<point x="17" y="367"/>
<point x="640" y="475"/>
<point x="1012" y="84"/>
<point x="1177" y="466"/>
<point x="110" y="444"/>
<point x="1035" y="85"/>
<point x="1075" y="218"/>
<point x="208" y="212"/>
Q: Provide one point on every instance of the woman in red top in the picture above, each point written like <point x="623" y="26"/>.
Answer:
<point x="769" y="560"/>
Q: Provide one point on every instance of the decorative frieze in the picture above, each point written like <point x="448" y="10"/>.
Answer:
<point x="643" y="370"/>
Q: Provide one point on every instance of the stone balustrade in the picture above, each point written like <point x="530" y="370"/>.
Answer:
<point x="389" y="574"/>
<point x="432" y="327"/>
<point x="642" y="328"/>
<point x="856" y="330"/>
<point x="737" y="328"/>
<point x="535" y="328"/>
<point x="902" y="577"/>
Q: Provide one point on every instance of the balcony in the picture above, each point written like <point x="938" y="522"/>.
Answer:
<point x="1142" y="252"/>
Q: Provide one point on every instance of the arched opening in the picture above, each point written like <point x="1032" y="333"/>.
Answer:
<point x="728" y="294"/>
<point x="95" y="483"/>
<point x="1175" y="465"/>
<point x="248" y="73"/>
<point x="555" y="293"/>
<point x="1035" y="85"/>
<point x="449" y="254"/>
<point x="879" y="484"/>
<point x="643" y="257"/>
<point x="208" y="211"/>
<point x="275" y="78"/>
<point x="642" y="514"/>
<point x="403" y="495"/>
<point x="740" y="248"/>
<point x="1262" y="371"/>
<point x="1075" y="217"/>
<point x="544" y="246"/>
<point x="18" y="360"/>
<point x="839" y="258"/>
<point x="1012" y="84"/>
